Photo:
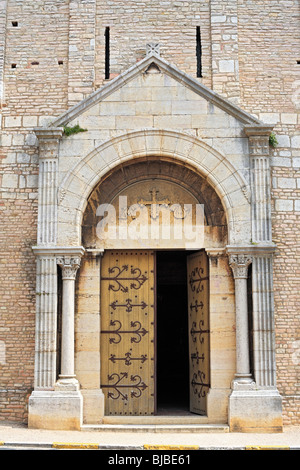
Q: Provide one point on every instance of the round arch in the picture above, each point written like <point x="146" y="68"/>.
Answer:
<point x="211" y="164"/>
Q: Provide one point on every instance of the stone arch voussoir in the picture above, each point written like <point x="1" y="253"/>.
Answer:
<point x="227" y="181"/>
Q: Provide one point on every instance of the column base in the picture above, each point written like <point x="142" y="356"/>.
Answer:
<point x="55" y="410"/>
<point x="67" y="383"/>
<point x="253" y="410"/>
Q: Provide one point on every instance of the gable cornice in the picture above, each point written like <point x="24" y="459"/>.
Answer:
<point x="169" y="69"/>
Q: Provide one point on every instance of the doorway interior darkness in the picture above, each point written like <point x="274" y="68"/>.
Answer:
<point x="172" y="358"/>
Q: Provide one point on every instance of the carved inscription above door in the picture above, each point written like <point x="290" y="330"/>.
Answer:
<point x="127" y="332"/>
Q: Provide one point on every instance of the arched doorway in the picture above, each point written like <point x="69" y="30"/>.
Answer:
<point x="154" y="295"/>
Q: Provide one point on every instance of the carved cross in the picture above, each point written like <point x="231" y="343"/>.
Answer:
<point x="154" y="203"/>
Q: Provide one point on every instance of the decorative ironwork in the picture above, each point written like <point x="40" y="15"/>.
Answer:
<point x="137" y="386"/>
<point x="195" y="280"/>
<point x="197" y="358"/>
<point x="199" y="332"/>
<point x="128" y="305"/>
<point x="200" y="388"/>
<point x="128" y="358"/>
<point x="195" y="307"/>
<point x="137" y="333"/>
<point x="137" y="279"/>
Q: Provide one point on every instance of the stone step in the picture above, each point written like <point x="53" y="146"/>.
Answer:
<point x="159" y="428"/>
<point x="186" y="418"/>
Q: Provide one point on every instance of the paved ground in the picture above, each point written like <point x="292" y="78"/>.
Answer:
<point x="20" y="435"/>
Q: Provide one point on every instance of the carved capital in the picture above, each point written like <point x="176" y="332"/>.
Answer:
<point x="239" y="264"/>
<point x="48" y="141"/>
<point x="258" y="140"/>
<point x="259" y="146"/>
<point x="69" y="266"/>
<point x="49" y="133"/>
<point x="214" y="254"/>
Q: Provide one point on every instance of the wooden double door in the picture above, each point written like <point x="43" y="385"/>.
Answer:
<point x="130" y="319"/>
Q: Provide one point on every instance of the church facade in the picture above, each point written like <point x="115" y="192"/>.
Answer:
<point x="150" y="210"/>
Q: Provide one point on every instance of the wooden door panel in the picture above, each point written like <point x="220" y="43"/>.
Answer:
<point x="198" y="311"/>
<point x="127" y="332"/>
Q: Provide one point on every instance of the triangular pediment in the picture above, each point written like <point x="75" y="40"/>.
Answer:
<point x="154" y="63"/>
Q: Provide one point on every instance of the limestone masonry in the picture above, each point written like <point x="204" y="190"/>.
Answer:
<point x="182" y="97"/>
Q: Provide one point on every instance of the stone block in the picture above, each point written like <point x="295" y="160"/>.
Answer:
<point x="13" y="121"/>
<point x="256" y="411"/>
<point x="210" y="121"/>
<point x="295" y="141"/>
<point x="32" y="181"/>
<point x="226" y="66"/>
<point x="85" y="323"/>
<point x="189" y="107"/>
<point x="133" y="122"/>
<point x="217" y="405"/>
<point x="281" y="161"/>
<point x="284" y="205"/>
<point x="23" y="157"/>
<point x="93" y="406"/>
<point x="218" y="19"/>
<point x="286" y="183"/>
<point x="269" y="118"/>
<point x="10" y="180"/>
<point x="296" y="162"/>
<point x="153" y="107"/>
<point x="113" y="108"/>
<point x="30" y="121"/>
<point x="55" y="410"/>
<point x="288" y="118"/>
<point x="283" y="141"/>
<point x="175" y="122"/>
<point x="18" y="139"/>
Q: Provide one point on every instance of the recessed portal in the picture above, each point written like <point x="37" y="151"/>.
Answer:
<point x="154" y="348"/>
<point x="172" y="363"/>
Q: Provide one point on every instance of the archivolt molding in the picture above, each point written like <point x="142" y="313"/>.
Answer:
<point x="220" y="173"/>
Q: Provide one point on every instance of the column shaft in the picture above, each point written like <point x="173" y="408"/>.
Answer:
<point x="242" y="334"/>
<point x="262" y="275"/>
<point x="69" y="267"/>
<point x="67" y="343"/>
<point x="263" y="321"/>
<point x="46" y="323"/>
<point x="239" y="264"/>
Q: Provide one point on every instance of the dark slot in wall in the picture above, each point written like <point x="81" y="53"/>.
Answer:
<point x="107" y="52"/>
<point x="199" y="52"/>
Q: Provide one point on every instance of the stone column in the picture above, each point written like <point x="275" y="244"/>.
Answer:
<point x="46" y="320"/>
<point x="48" y="184"/>
<point x="263" y="318"/>
<point x="260" y="183"/>
<point x="239" y="264"/>
<point x="69" y="267"/>
<point x="262" y="275"/>
<point x="46" y="280"/>
<point x="258" y="407"/>
<point x="55" y="405"/>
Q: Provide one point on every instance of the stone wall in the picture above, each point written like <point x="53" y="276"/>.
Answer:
<point x="270" y="89"/>
<point x="53" y="54"/>
<point x="18" y="207"/>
